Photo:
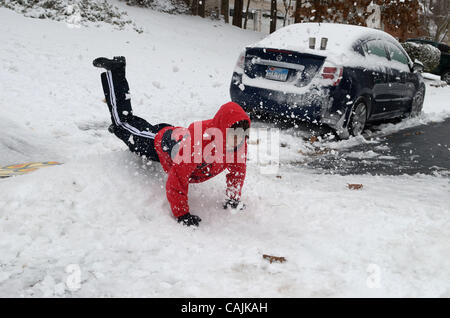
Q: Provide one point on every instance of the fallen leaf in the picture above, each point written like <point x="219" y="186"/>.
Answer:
<point x="274" y="258"/>
<point x="354" y="186"/>
<point x="313" y="139"/>
<point x="322" y="151"/>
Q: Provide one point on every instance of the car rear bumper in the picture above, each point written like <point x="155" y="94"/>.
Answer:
<point x="315" y="106"/>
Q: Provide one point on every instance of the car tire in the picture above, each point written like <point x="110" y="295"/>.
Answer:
<point x="358" y="118"/>
<point x="446" y="76"/>
<point x="417" y="102"/>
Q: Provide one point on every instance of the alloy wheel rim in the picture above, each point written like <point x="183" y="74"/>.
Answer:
<point x="418" y="100"/>
<point x="359" y="119"/>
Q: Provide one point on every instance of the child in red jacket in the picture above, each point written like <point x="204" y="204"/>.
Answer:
<point x="188" y="155"/>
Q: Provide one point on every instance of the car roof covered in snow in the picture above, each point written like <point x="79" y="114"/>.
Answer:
<point x="341" y="37"/>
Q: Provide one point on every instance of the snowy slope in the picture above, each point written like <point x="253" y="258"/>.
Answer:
<point x="103" y="216"/>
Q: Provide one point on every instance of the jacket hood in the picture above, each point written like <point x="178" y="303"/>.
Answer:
<point x="228" y="114"/>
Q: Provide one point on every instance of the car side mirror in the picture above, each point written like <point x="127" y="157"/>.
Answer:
<point x="418" y="66"/>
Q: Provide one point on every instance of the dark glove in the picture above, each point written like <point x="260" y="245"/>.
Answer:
<point x="234" y="204"/>
<point x="189" y="219"/>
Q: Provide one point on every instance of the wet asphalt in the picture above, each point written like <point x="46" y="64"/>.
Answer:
<point x="421" y="149"/>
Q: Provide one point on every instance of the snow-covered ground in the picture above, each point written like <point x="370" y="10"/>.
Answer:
<point x="100" y="224"/>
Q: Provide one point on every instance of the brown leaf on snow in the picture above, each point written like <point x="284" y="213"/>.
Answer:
<point x="416" y="133"/>
<point x="322" y="151"/>
<point x="354" y="186"/>
<point x="279" y="177"/>
<point x="271" y="258"/>
<point x="313" y="139"/>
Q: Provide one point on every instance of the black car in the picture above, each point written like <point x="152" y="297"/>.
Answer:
<point x="339" y="75"/>
<point x="443" y="69"/>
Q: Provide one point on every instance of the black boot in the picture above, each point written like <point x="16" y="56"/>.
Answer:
<point x="111" y="128"/>
<point x="108" y="64"/>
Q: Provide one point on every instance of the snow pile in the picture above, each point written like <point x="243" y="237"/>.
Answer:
<point x="74" y="12"/>
<point x="434" y="80"/>
<point x="100" y="225"/>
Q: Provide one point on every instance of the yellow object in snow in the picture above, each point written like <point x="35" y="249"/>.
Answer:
<point x="14" y="170"/>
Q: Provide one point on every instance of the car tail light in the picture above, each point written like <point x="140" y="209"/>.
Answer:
<point x="333" y="73"/>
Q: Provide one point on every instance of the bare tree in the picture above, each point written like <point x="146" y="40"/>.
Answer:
<point x="194" y="7"/>
<point x="436" y="18"/>
<point x="201" y="8"/>
<point x="442" y="31"/>
<point x="226" y="10"/>
<point x="198" y="7"/>
<point x="287" y="8"/>
<point x="297" y="16"/>
<point x="273" y="16"/>
<point x="246" y="14"/>
<point x="237" y="14"/>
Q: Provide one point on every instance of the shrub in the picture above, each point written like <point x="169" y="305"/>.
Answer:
<point x="71" y="11"/>
<point x="425" y="53"/>
<point x="169" y="6"/>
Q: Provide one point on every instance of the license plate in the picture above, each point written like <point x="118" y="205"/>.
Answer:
<point x="276" y="73"/>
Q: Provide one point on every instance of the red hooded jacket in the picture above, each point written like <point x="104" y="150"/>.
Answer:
<point x="194" y="144"/>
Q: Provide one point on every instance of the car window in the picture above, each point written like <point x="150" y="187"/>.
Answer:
<point x="444" y="48"/>
<point x="396" y="54"/>
<point x="375" y="47"/>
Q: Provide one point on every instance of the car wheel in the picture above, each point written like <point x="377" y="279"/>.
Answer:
<point x="446" y="77"/>
<point x="417" y="102"/>
<point x="358" y="118"/>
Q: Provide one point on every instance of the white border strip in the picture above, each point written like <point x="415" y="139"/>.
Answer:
<point x="116" y="117"/>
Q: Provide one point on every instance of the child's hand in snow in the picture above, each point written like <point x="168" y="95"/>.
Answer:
<point x="234" y="205"/>
<point x="189" y="219"/>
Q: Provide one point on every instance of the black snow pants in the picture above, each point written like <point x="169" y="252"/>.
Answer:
<point x="135" y="132"/>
